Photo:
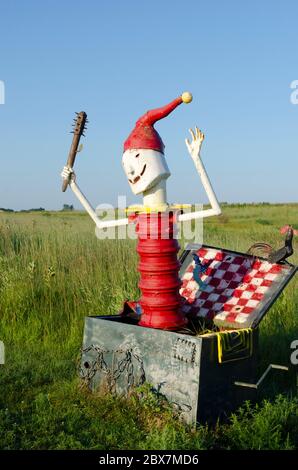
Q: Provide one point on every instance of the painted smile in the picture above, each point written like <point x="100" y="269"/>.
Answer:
<point x="137" y="178"/>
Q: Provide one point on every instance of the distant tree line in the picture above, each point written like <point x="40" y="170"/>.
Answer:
<point x="38" y="209"/>
<point x="68" y="207"/>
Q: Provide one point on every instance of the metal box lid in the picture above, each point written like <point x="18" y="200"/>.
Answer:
<point x="233" y="289"/>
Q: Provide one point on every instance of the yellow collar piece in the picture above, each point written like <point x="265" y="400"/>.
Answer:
<point x="138" y="208"/>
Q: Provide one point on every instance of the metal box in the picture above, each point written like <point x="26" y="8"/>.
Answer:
<point x="118" y="355"/>
<point x="196" y="371"/>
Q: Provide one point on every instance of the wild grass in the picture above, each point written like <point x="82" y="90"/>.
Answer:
<point x="54" y="272"/>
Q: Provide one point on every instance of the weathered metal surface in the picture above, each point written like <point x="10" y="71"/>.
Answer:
<point x="218" y="394"/>
<point x="185" y="369"/>
<point x="169" y="361"/>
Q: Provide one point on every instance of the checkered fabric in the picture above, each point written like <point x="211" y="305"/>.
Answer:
<point x="238" y="288"/>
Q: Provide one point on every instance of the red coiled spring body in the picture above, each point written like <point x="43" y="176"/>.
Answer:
<point x="159" y="267"/>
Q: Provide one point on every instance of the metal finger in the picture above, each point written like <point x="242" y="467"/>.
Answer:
<point x="192" y="134"/>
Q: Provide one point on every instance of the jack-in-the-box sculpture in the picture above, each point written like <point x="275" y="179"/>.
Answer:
<point x="203" y="372"/>
<point x="147" y="171"/>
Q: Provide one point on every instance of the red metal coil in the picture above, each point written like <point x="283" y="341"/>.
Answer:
<point x="159" y="272"/>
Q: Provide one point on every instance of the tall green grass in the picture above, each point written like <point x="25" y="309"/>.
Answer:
<point x="54" y="272"/>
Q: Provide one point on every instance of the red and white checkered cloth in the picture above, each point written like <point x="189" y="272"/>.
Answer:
<point x="238" y="287"/>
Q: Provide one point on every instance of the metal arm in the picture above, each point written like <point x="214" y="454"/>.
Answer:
<point x="87" y="206"/>
<point x="194" y="149"/>
<point x="215" y="208"/>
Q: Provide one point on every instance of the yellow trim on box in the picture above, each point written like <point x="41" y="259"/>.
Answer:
<point x="245" y="337"/>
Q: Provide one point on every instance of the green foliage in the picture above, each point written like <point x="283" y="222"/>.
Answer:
<point x="54" y="272"/>
<point x="269" y="426"/>
<point x="263" y="222"/>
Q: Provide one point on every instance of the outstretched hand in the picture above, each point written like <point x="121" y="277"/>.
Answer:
<point x="194" y="147"/>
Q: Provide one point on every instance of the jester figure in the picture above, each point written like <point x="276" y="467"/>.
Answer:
<point x="147" y="172"/>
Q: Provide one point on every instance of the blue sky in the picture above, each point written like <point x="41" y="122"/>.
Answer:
<point x="115" y="60"/>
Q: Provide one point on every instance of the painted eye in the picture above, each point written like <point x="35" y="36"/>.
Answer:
<point x="137" y="155"/>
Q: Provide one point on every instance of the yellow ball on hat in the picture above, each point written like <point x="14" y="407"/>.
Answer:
<point x="186" y="97"/>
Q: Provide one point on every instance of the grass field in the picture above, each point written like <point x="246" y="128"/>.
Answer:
<point x="54" y="272"/>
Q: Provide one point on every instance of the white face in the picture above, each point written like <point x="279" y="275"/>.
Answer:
<point x="144" y="168"/>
